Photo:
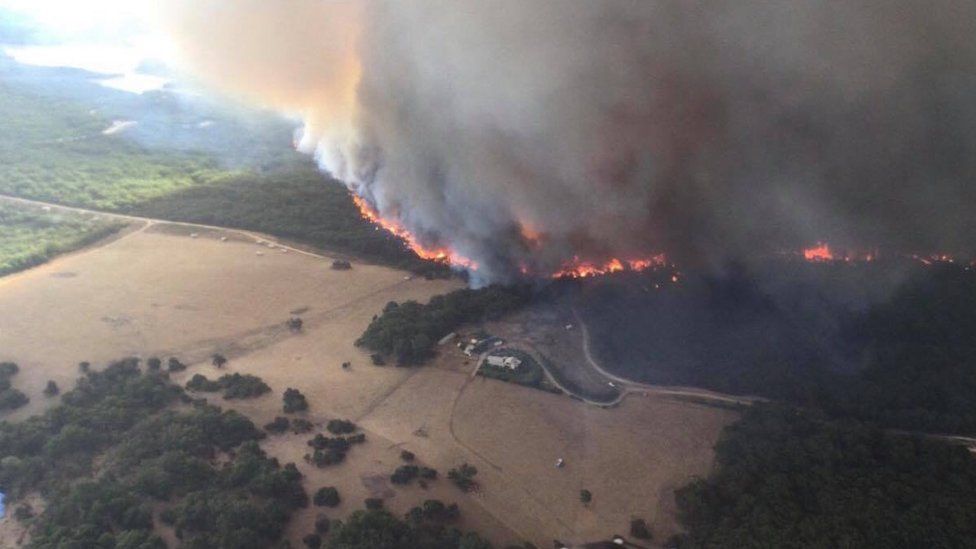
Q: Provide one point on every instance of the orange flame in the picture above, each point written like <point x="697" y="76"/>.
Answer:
<point x="575" y="269"/>
<point x="584" y="269"/>
<point x="822" y="252"/>
<point x="442" y="255"/>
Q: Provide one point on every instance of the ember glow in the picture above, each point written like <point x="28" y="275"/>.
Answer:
<point x="442" y="255"/>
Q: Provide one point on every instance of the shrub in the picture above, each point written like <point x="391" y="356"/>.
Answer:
<point x="174" y="365"/>
<point x="154" y="364"/>
<point x="301" y="425"/>
<point x="463" y="477"/>
<point x="11" y="399"/>
<point x="278" y="426"/>
<point x="51" y="389"/>
<point x="200" y="383"/>
<point x="312" y="541"/>
<point x="243" y="386"/>
<point x="404" y="474"/>
<point x="218" y="360"/>
<point x="233" y="385"/>
<point x="24" y="512"/>
<point x="586" y="496"/>
<point x="639" y="529"/>
<point x="10" y="369"/>
<point x="322" y="524"/>
<point x="407" y="455"/>
<point x="340" y="426"/>
<point x="428" y="473"/>
<point x="294" y="401"/>
<point x="326" y="497"/>
<point x="373" y="504"/>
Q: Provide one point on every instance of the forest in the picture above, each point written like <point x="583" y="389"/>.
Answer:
<point x="790" y="478"/>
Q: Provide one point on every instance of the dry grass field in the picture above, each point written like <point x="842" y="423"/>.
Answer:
<point x="160" y="291"/>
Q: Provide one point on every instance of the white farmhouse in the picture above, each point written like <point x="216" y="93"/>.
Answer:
<point x="510" y="362"/>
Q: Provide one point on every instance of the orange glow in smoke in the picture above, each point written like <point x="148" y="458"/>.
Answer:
<point x="442" y="255"/>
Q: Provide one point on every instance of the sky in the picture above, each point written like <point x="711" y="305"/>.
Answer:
<point x="88" y="19"/>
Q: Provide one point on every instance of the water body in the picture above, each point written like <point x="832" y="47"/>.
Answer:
<point x="119" y="64"/>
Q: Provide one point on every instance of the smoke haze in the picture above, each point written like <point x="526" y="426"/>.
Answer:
<point x="522" y="133"/>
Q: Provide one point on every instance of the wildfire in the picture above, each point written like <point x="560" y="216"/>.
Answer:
<point x="822" y="252"/>
<point x="583" y="269"/>
<point x="442" y="255"/>
<point x="577" y="268"/>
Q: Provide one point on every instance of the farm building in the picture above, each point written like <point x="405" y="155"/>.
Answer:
<point x="510" y="362"/>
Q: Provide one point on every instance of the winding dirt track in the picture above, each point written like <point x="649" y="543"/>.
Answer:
<point x="628" y="386"/>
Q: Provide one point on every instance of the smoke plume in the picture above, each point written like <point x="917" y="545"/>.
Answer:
<point x="524" y="133"/>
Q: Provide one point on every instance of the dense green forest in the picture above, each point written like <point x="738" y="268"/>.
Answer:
<point x="409" y="331"/>
<point x="787" y="478"/>
<point x="30" y="238"/>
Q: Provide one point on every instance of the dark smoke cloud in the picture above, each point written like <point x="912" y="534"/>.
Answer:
<point x="709" y="130"/>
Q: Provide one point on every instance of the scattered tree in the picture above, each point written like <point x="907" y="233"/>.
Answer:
<point x="174" y="365"/>
<point x="322" y="524"/>
<point x="312" y="541"/>
<point x="404" y="474"/>
<point x="295" y="324"/>
<point x="154" y="364"/>
<point x="639" y="529"/>
<point x="407" y="455"/>
<point x="340" y="426"/>
<point x="373" y="504"/>
<point x="463" y="477"/>
<point x="586" y="496"/>
<point x="218" y="360"/>
<point x="294" y="401"/>
<point x="51" y="389"/>
<point x="278" y="426"/>
<point x="326" y="497"/>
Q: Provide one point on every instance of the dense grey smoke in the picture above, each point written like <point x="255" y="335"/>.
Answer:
<point x="709" y="130"/>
